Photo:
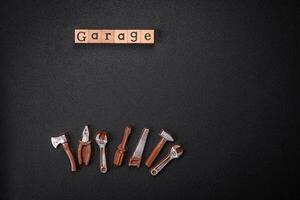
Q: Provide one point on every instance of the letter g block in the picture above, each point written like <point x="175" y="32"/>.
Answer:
<point x="81" y="35"/>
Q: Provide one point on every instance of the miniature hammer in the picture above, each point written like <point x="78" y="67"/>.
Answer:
<point x="63" y="140"/>
<point x="165" y="136"/>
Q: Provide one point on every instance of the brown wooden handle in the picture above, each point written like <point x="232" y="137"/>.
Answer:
<point x="84" y="153"/>
<point x="135" y="161"/>
<point x="126" y="134"/>
<point x="79" y="153"/>
<point x="155" y="152"/>
<point x="119" y="156"/>
<point x="121" y="149"/>
<point x="70" y="156"/>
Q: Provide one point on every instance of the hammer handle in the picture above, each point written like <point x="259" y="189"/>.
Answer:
<point x="155" y="152"/>
<point x="70" y="156"/>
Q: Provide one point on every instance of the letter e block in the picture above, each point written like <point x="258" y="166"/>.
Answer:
<point x="147" y="36"/>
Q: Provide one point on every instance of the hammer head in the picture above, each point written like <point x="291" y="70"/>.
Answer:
<point x="58" y="140"/>
<point x="166" y="136"/>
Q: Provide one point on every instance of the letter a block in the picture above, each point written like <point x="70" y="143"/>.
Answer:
<point x="94" y="36"/>
<point x="121" y="36"/>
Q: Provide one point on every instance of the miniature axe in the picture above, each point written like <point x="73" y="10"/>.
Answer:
<point x="63" y="140"/>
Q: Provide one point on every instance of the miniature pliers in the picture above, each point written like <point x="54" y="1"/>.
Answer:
<point x="84" y="147"/>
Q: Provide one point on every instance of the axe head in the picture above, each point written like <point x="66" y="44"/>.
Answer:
<point x="166" y="135"/>
<point x="58" y="140"/>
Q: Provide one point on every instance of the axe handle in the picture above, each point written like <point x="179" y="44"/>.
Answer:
<point x="155" y="152"/>
<point x="70" y="156"/>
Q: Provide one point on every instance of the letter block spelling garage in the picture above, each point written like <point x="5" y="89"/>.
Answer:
<point x="109" y="36"/>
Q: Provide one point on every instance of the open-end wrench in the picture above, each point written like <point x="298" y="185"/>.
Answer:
<point x="175" y="152"/>
<point x="101" y="140"/>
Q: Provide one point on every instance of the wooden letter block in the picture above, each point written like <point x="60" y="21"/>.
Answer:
<point x="108" y="36"/>
<point x="147" y="36"/>
<point x="134" y="36"/>
<point x="121" y="36"/>
<point x="94" y="36"/>
<point x="81" y="35"/>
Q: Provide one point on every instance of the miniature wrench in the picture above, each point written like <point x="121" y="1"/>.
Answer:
<point x="84" y="147"/>
<point x="101" y="140"/>
<point x="175" y="152"/>
<point x="136" y="157"/>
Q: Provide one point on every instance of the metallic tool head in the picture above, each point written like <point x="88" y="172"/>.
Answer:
<point x="101" y="138"/>
<point x="176" y="151"/>
<point x="58" y="140"/>
<point x="141" y="144"/>
<point x="145" y="131"/>
<point x="128" y="129"/>
<point x="166" y="135"/>
<point x="85" y="134"/>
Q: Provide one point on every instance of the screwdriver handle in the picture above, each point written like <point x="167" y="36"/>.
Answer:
<point x="121" y="149"/>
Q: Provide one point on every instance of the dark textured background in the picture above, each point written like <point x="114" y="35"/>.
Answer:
<point x="220" y="77"/>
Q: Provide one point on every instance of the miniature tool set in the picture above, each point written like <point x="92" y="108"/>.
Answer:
<point x="101" y="138"/>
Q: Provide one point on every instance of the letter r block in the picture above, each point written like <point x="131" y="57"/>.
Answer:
<point x="108" y="36"/>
